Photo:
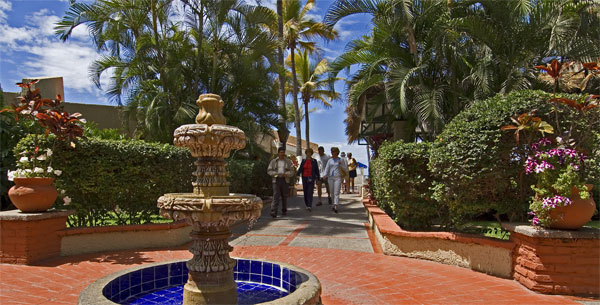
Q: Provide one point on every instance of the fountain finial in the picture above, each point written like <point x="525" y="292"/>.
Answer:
<point x="210" y="109"/>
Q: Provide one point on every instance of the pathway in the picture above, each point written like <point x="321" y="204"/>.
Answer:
<point x="337" y="248"/>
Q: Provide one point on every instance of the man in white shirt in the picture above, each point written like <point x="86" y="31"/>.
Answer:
<point x="281" y="169"/>
<point x="322" y="159"/>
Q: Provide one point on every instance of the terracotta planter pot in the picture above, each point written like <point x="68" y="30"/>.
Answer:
<point x="33" y="194"/>
<point x="575" y="215"/>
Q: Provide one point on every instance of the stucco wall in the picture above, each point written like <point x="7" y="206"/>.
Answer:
<point x="90" y="240"/>
<point x="473" y="252"/>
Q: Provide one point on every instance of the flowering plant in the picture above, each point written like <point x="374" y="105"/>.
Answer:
<point x="46" y="116"/>
<point x="35" y="164"/>
<point x="557" y="171"/>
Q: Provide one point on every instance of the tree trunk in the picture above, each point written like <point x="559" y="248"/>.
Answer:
<point x="296" y="109"/>
<point x="307" y="129"/>
<point x="282" y="130"/>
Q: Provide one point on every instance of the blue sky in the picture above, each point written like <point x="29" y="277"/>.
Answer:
<point x="28" y="49"/>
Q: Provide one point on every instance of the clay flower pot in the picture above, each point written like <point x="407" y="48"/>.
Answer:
<point x="33" y="194"/>
<point x="575" y="215"/>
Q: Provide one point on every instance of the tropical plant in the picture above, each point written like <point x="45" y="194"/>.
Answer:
<point x="428" y="60"/>
<point x="50" y="118"/>
<point x="477" y="167"/>
<point x="159" y="65"/>
<point x="282" y="129"/>
<point x="314" y="84"/>
<point x="299" y="28"/>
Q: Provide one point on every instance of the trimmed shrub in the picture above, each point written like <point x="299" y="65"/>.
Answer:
<point x="476" y="166"/>
<point x="119" y="181"/>
<point x="401" y="183"/>
<point x="124" y="177"/>
<point x="249" y="177"/>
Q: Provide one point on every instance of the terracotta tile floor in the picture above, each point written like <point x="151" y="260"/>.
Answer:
<point x="347" y="277"/>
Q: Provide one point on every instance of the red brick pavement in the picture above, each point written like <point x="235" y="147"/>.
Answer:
<point x="347" y="277"/>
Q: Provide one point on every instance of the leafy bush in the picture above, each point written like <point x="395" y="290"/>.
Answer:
<point x="401" y="183"/>
<point x="249" y="176"/>
<point x="91" y="130"/>
<point x="118" y="181"/>
<point x="125" y="177"/>
<point x="476" y="166"/>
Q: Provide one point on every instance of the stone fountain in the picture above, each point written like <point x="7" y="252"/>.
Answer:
<point x="210" y="209"/>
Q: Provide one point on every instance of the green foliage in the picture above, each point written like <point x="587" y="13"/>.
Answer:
<point x="124" y="177"/>
<point x="476" y="166"/>
<point x="11" y="132"/>
<point x="118" y="182"/>
<point x="91" y="130"/>
<point x="401" y="183"/>
<point x="249" y="177"/>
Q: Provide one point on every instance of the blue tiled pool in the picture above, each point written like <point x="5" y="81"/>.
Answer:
<point x="257" y="282"/>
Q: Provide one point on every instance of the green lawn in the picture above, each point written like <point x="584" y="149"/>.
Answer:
<point x="153" y="219"/>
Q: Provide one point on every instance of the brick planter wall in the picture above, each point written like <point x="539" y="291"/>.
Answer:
<point x="557" y="261"/>
<point x="483" y="254"/>
<point x="29" y="237"/>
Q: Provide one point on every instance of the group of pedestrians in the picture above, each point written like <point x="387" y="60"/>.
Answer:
<point x="334" y="172"/>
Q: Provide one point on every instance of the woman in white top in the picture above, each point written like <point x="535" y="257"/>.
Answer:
<point x="332" y="172"/>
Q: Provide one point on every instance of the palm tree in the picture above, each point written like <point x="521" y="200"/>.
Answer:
<point x="427" y="60"/>
<point x="282" y="129"/>
<point x="160" y="66"/>
<point x="299" y="28"/>
<point x="313" y="83"/>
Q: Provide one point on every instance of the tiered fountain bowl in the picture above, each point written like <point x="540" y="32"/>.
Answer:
<point x="213" y="277"/>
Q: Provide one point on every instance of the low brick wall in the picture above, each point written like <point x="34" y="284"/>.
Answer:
<point x="26" y="238"/>
<point x="557" y="261"/>
<point x="488" y="255"/>
<point x="100" y="239"/>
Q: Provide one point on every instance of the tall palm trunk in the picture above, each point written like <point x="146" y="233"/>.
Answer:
<point x="296" y="109"/>
<point x="306" y="100"/>
<point x="282" y="130"/>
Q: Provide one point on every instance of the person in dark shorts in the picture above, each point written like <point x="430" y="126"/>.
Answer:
<point x="352" y="164"/>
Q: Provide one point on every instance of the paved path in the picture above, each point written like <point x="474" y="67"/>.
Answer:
<point x="337" y="248"/>
<point x="320" y="228"/>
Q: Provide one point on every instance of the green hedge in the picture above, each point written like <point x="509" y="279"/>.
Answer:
<point x="401" y="183"/>
<point x="473" y="162"/>
<point x="119" y="181"/>
<point x="249" y="176"/>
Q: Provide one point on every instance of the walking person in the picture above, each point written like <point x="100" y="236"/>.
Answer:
<point x="322" y="159"/>
<point x="351" y="171"/>
<point x="309" y="171"/>
<point x="281" y="169"/>
<point x="345" y="180"/>
<point x="334" y="171"/>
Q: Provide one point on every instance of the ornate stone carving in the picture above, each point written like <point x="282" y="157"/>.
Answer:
<point x="211" y="109"/>
<point x="210" y="209"/>
<point x="211" y="251"/>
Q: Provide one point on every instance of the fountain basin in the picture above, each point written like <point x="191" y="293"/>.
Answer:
<point x="258" y="281"/>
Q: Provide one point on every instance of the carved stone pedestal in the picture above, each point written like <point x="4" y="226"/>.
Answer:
<point x="210" y="279"/>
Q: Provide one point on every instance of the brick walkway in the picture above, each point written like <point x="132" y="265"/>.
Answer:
<point x="361" y="276"/>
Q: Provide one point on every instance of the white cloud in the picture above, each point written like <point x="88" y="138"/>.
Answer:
<point x="343" y="34"/>
<point x="5" y="6"/>
<point x="40" y="53"/>
<point x="9" y="36"/>
<point x="69" y="60"/>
